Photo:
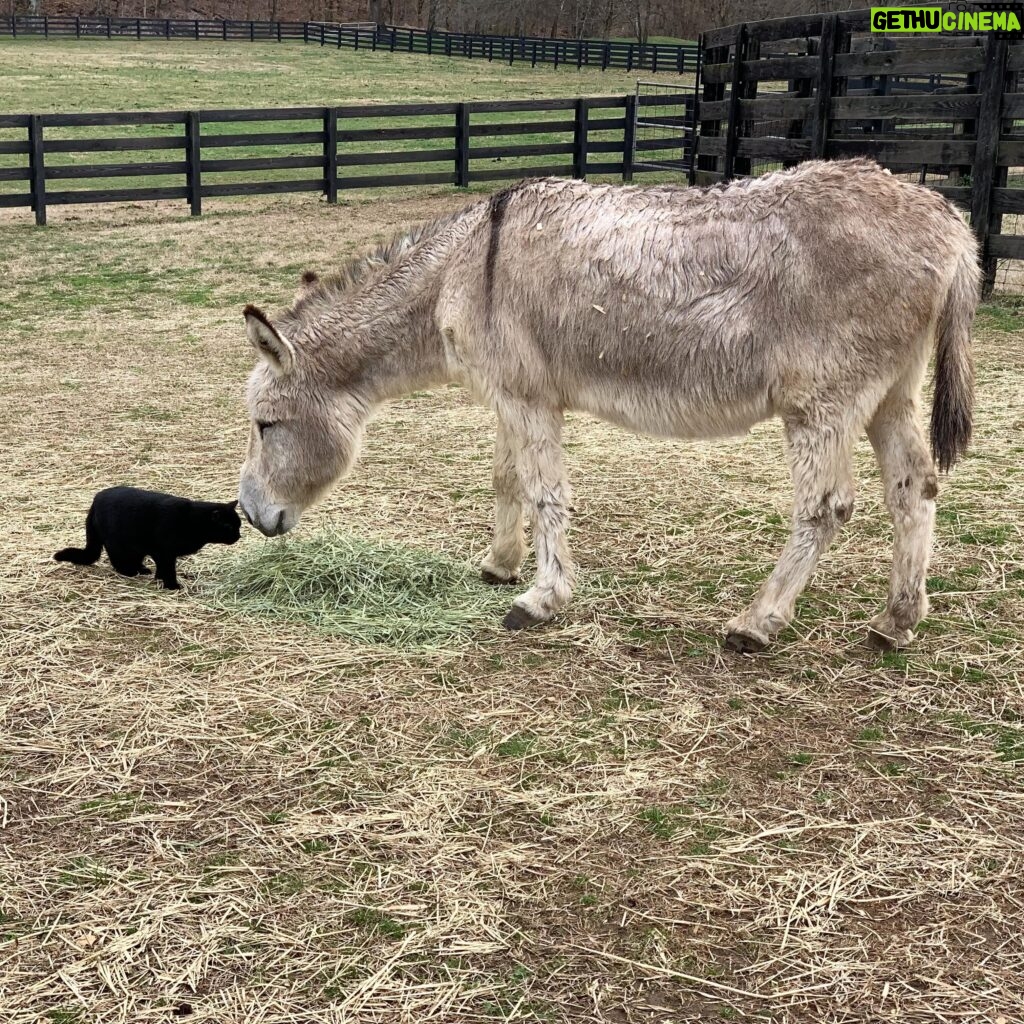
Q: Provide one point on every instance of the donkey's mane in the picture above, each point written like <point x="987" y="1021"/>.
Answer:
<point x="356" y="271"/>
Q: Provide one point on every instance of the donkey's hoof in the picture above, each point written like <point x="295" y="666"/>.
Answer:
<point x="886" y="637"/>
<point x="494" y="580"/>
<point x="519" y="618"/>
<point x="744" y="643"/>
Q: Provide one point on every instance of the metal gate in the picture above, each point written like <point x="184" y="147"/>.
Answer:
<point x="665" y="132"/>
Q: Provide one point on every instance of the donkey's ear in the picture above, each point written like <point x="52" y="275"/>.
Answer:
<point x="268" y="341"/>
<point x="306" y="282"/>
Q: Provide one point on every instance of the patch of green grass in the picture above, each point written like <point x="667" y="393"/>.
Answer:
<point x="117" y="806"/>
<point x="871" y="734"/>
<point x="373" y="920"/>
<point x="666" y="822"/>
<point x="516" y="746"/>
<point x="894" y="660"/>
<point x="83" y="873"/>
<point x="285" y="883"/>
<point x="988" y="535"/>
<point x="998" y="318"/>
<point x="65" y="1015"/>
<point x="373" y="594"/>
<point x="619" y="699"/>
<point x="1007" y="740"/>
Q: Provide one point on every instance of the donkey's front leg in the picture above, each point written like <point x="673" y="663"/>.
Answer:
<point x="544" y="487"/>
<point x="508" y="545"/>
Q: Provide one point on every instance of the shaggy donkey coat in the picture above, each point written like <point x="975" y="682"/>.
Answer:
<point x="815" y="294"/>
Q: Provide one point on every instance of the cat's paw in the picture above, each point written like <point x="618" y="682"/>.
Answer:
<point x="143" y="571"/>
<point x="173" y="585"/>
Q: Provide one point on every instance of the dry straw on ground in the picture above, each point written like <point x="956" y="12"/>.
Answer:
<point x="220" y="816"/>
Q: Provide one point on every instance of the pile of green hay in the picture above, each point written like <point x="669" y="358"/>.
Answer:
<point x="369" y="593"/>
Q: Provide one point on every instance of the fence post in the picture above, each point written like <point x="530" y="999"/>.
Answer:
<point x="252" y="31"/>
<point x="392" y="40"/>
<point x="462" y="144"/>
<point x="197" y="28"/>
<point x="108" y="28"/>
<point x="579" y="139"/>
<point x="224" y="30"/>
<point x="983" y="170"/>
<point x="331" y="154"/>
<point x="38" y="170"/>
<point x="279" y="31"/>
<point x="167" y="28"/>
<point x="193" y="175"/>
<point x="821" y="120"/>
<point x="78" y="27"/>
<point x="732" y="131"/>
<point x="629" y="58"/>
<point x="629" y="138"/>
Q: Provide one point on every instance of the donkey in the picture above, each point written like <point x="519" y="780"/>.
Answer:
<point x="814" y="294"/>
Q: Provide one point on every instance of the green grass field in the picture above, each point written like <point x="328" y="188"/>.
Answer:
<point x="277" y="796"/>
<point x="65" y="76"/>
<point x="69" y="77"/>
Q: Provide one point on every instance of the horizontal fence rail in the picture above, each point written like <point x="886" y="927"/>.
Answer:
<point x="59" y="159"/>
<point x="947" y="111"/>
<point x="604" y="54"/>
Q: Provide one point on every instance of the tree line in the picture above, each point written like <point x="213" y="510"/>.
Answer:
<point x="601" y="19"/>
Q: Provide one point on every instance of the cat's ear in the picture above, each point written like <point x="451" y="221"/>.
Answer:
<point x="233" y="504"/>
<point x="270" y="343"/>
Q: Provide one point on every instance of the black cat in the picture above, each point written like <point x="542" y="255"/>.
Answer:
<point x="133" y="524"/>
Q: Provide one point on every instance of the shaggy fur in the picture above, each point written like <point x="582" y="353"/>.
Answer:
<point x="815" y="294"/>
<point x="133" y="525"/>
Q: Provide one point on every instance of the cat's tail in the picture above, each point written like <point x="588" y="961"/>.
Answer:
<point x="91" y="551"/>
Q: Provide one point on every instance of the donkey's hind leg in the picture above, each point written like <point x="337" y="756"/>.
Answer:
<point x="821" y="464"/>
<point x="908" y="476"/>
<point x="508" y="545"/>
<point x="537" y="436"/>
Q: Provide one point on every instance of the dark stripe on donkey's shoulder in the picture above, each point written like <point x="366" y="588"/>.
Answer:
<point x="498" y="204"/>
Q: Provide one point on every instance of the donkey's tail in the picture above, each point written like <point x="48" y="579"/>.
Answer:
<point x="92" y="549"/>
<point x="953" y="404"/>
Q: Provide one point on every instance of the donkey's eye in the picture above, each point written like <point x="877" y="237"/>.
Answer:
<point x="261" y="426"/>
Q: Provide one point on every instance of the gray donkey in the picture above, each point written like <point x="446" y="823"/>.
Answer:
<point x="814" y="294"/>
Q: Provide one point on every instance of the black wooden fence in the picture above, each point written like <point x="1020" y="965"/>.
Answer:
<point x="194" y="155"/>
<point x="947" y="110"/>
<point x="654" y="57"/>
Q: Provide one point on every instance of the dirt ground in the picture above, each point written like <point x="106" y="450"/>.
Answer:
<point x="210" y="816"/>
